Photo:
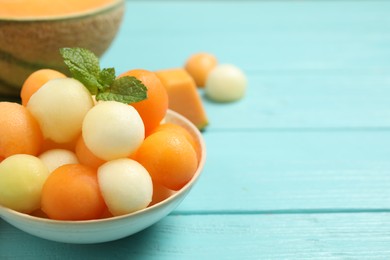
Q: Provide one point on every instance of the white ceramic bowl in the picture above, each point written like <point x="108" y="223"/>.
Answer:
<point x="103" y="230"/>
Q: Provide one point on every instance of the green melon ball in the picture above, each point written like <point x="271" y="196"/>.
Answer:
<point x="126" y="186"/>
<point x="113" y="130"/>
<point x="59" y="106"/>
<point x="225" y="83"/>
<point x="21" y="180"/>
<point x="55" y="158"/>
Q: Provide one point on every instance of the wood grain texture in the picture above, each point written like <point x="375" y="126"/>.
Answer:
<point x="289" y="170"/>
<point x="312" y="100"/>
<point x="257" y="236"/>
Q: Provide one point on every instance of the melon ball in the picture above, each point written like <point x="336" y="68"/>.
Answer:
<point x="126" y="186"/>
<point x="21" y="180"/>
<point x="199" y="66"/>
<point x="55" y="158"/>
<point x="225" y="83"/>
<point x="59" y="106"/>
<point x="160" y="193"/>
<point x="112" y="130"/>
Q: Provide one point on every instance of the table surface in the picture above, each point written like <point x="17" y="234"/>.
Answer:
<point x="299" y="168"/>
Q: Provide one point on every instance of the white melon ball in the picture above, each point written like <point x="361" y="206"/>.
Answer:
<point x="113" y="130"/>
<point x="225" y="83"/>
<point x="126" y="186"/>
<point x="55" y="158"/>
<point x="59" y="106"/>
<point x="21" y="180"/>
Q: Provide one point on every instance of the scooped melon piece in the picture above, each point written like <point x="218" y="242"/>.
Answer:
<point x="183" y="95"/>
<point x="21" y="180"/>
<point x="160" y="193"/>
<point x="59" y="106"/>
<point x="55" y="158"/>
<point x="113" y="130"/>
<point x="126" y="186"/>
<point x="199" y="66"/>
<point x="226" y="83"/>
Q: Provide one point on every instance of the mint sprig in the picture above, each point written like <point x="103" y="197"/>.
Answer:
<point x="125" y="89"/>
<point x="84" y="66"/>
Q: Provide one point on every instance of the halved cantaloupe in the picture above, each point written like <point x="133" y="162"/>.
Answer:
<point x="183" y="95"/>
<point x="33" y="31"/>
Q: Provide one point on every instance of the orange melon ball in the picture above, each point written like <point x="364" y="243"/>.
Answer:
<point x="181" y="131"/>
<point x="49" y="144"/>
<point x="152" y="109"/>
<point x="71" y="192"/>
<point x="85" y="156"/>
<point x="199" y="66"/>
<point x="169" y="158"/>
<point x="19" y="131"/>
<point x="160" y="193"/>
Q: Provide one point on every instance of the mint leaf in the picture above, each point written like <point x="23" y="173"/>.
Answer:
<point x="125" y="89"/>
<point x="84" y="66"/>
<point x="107" y="77"/>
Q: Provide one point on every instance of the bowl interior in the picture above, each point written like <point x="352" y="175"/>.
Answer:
<point x="103" y="230"/>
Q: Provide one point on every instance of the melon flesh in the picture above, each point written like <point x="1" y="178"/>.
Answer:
<point x="183" y="95"/>
<point x="45" y="8"/>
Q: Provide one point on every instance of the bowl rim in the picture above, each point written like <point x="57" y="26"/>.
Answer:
<point x="107" y="7"/>
<point x="160" y="204"/>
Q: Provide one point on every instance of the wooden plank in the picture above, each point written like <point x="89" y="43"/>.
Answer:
<point x="280" y="236"/>
<point x="256" y="35"/>
<point x="290" y="170"/>
<point x="306" y="101"/>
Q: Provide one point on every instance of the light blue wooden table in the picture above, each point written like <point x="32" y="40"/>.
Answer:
<point x="299" y="168"/>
